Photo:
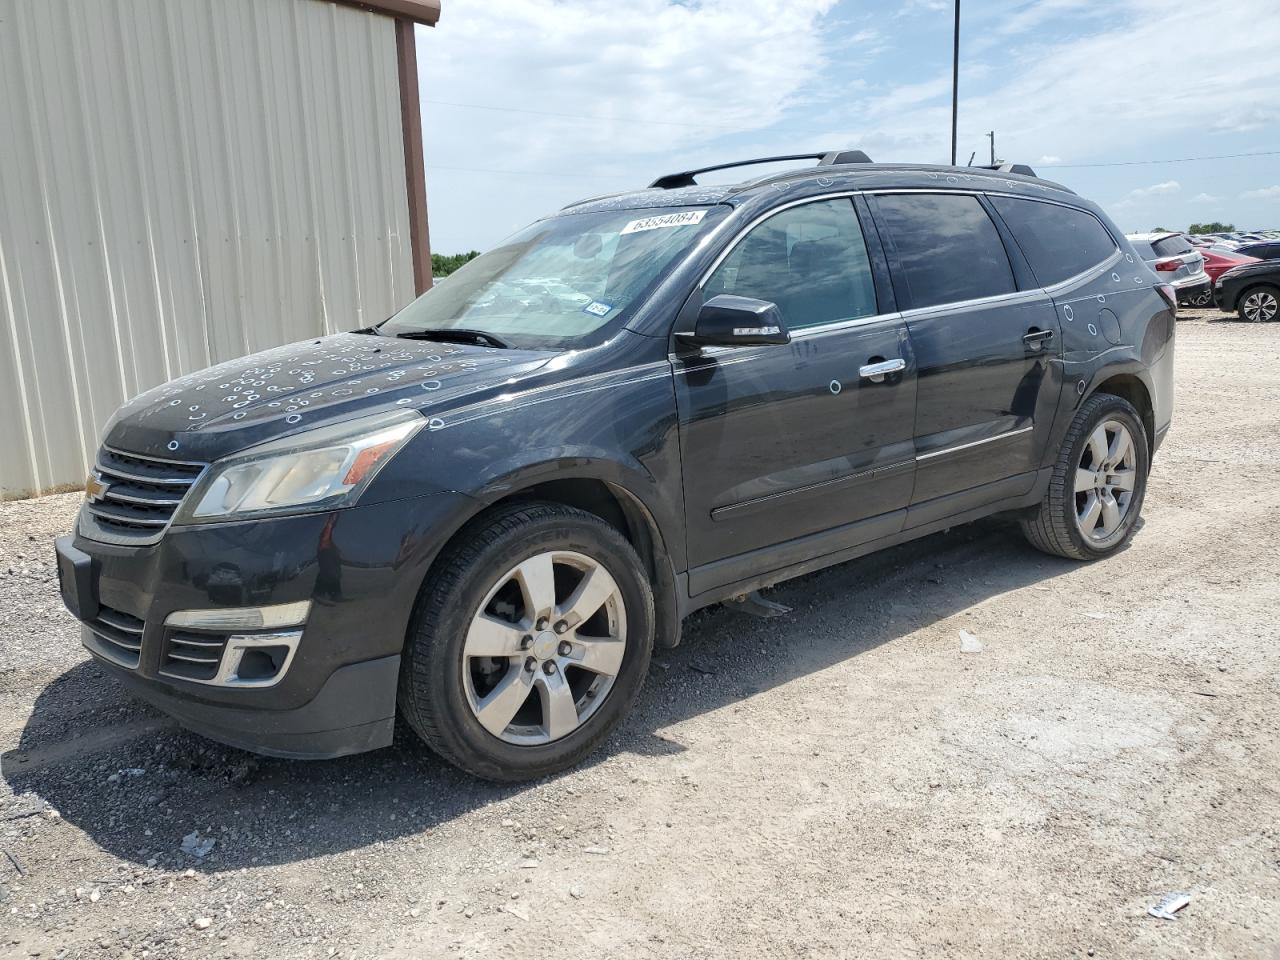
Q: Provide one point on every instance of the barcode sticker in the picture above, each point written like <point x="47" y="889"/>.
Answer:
<point x="666" y="220"/>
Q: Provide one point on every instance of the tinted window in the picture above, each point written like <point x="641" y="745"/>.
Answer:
<point x="1263" y="251"/>
<point x="947" y="247"/>
<point x="1174" y="246"/>
<point x="1059" y="242"/>
<point x="810" y="260"/>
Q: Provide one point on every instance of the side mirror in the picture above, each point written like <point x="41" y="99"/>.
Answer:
<point x="729" y="321"/>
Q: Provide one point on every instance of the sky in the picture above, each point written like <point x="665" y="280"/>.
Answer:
<point x="532" y="104"/>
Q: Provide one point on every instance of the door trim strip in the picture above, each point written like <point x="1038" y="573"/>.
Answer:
<point x="974" y="443"/>
<point x="730" y="509"/>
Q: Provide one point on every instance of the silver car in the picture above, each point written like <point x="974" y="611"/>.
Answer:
<point x="1175" y="260"/>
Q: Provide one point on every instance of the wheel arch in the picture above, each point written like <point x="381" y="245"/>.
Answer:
<point x="611" y="501"/>
<point x="1244" y="291"/>
<point x="1130" y="387"/>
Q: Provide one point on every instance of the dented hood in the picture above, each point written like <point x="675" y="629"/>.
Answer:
<point x="227" y="408"/>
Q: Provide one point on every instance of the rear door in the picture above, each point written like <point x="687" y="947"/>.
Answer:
<point x="984" y="397"/>
<point x="789" y="452"/>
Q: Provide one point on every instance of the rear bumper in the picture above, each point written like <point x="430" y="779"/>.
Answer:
<point x="1193" y="289"/>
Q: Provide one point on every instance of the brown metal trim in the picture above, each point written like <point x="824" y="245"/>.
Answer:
<point x="415" y="171"/>
<point x="426" y="12"/>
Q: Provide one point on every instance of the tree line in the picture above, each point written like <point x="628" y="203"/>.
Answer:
<point x="442" y="265"/>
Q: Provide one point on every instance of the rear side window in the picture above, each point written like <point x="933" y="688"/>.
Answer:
<point x="1174" y="246"/>
<point x="810" y="260"/>
<point x="1059" y="242"/>
<point x="948" y="248"/>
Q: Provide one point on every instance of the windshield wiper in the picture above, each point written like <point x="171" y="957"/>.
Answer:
<point x="456" y="335"/>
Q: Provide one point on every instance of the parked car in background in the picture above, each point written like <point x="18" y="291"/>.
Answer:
<point x="1175" y="260"/>
<point x="1262" y="250"/>
<point x="1216" y="263"/>
<point x="486" y="511"/>
<point x="1251" y="290"/>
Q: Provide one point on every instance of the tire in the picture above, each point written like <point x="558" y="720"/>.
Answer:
<point x="1259" y="304"/>
<point x="488" y="577"/>
<point x="1059" y="522"/>
<point x="1202" y="300"/>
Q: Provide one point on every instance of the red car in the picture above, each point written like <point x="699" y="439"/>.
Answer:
<point x="1216" y="262"/>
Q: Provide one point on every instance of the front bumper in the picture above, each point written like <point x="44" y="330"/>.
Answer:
<point x="359" y="568"/>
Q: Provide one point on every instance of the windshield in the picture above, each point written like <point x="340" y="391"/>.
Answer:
<point x="561" y="282"/>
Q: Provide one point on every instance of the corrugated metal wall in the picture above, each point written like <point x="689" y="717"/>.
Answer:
<point x="183" y="182"/>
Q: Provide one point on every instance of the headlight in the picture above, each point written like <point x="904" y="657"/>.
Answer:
<point x="320" y="470"/>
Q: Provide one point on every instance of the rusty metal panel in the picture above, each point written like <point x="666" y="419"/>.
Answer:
<point x="183" y="182"/>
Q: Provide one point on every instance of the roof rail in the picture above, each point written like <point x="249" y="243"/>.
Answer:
<point x="686" y="178"/>
<point x="1021" y="168"/>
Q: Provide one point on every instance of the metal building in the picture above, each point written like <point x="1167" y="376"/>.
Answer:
<point x="187" y="181"/>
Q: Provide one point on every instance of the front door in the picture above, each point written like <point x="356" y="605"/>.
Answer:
<point x="789" y="452"/>
<point x="986" y="393"/>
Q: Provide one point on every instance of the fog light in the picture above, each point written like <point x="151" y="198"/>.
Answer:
<point x="242" y="618"/>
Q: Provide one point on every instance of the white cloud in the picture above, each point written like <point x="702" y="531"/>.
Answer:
<point x="1105" y="92"/>
<point x="1134" y="197"/>
<point x="658" y="79"/>
<point x="1266" y="193"/>
<point x="1049" y="159"/>
<point x="1205" y="198"/>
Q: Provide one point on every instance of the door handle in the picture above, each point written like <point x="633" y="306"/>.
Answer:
<point x="1035" y="338"/>
<point x="875" y="372"/>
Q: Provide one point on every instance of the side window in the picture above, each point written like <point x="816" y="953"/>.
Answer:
<point x="947" y="246"/>
<point x="810" y="260"/>
<point x="1059" y="242"/>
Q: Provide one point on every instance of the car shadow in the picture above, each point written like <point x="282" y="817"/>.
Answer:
<point x="137" y="784"/>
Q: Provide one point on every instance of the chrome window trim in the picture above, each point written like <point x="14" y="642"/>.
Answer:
<point x="1015" y="297"/>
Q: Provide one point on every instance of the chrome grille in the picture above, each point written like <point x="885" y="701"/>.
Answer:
<point x="193" y="656"/>
<point x="140" y="495"/>
<point x="117" y="635"/>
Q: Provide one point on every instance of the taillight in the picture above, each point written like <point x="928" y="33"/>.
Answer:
<point x="1168" y="266"/>
<point x="1170" y="294"/>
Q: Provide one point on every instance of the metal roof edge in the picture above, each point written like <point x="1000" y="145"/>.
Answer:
<point x="426" y="12"/>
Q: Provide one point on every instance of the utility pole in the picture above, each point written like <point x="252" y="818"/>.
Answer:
<point x="955" y="83"/>
<point x="992" y="137"/>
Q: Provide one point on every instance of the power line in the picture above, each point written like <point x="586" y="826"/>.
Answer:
<point x="1138" y="163"/>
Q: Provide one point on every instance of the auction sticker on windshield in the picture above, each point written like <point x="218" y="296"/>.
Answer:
<point x="666" y="220"/>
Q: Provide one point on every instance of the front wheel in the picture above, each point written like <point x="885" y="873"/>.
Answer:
<point x="529" y="643"/>
<point x="1260" y="305"/>
<point x="1099" y="480"/>
<point x="1204" y="299"/>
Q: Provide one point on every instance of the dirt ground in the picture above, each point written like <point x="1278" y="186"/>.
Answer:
<point x="842" y="781"/>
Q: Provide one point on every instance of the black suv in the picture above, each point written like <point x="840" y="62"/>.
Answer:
<point x="1252" y="290"/>
<point x="487" y="511"/>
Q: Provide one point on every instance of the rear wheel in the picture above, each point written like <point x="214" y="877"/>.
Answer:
<point x="529" y="643"/>
<point x="1099" y="480"/>
<point x="1260" y="305"/>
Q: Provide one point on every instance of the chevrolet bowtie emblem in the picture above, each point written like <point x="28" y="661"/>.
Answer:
<point x="94" y="488"/>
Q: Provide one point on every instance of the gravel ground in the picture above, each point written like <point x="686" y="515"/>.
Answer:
<point x="842" y="781"/>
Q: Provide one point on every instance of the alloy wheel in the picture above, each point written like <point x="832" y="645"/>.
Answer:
<point x="545" y="647"/>
<point x="1105" y="479"/>
<point x="1260" y="306"/>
